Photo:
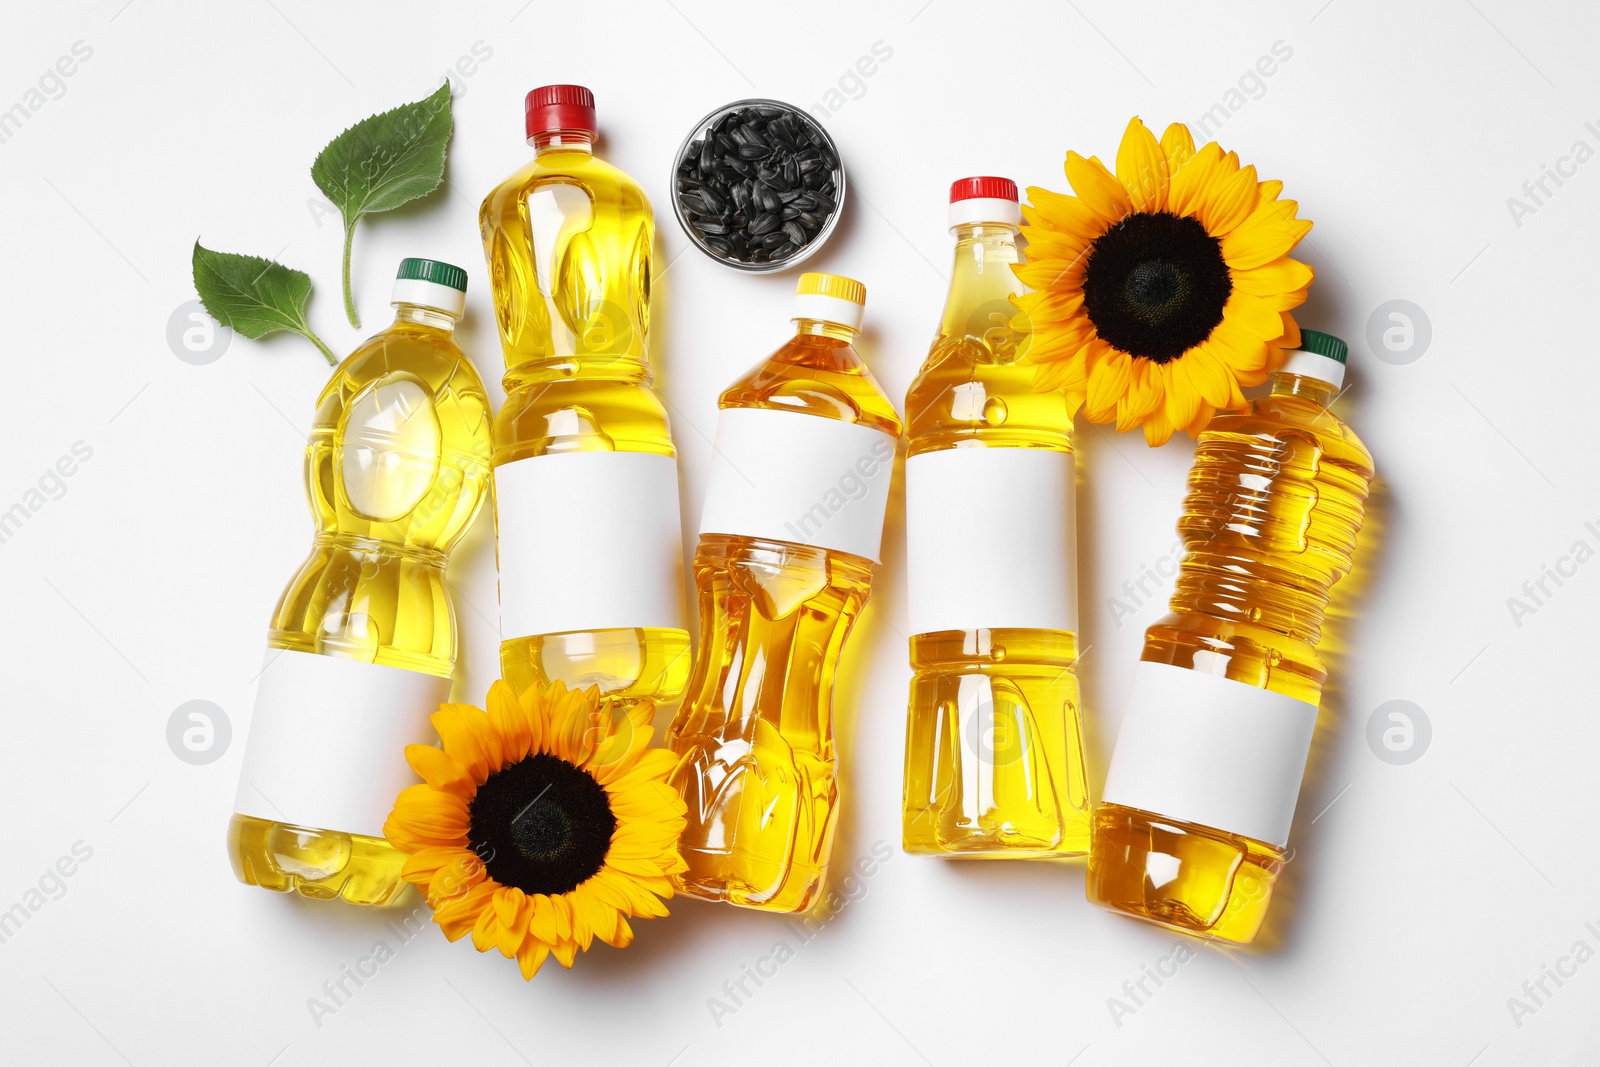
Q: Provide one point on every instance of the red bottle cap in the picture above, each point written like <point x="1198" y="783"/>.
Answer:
<point x="559" y="107"/>
<point x="983" y="189"/>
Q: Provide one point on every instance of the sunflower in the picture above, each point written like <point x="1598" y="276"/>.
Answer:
<point x="541" y="824"/>
<point x="1160" y="290"/>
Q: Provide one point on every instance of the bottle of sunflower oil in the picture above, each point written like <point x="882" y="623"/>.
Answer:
<point x="994" y="745"/>
<point x="1202" y="786"/>
<point x="793" y="517"/>
<point x="586" y="478"/>
<point x="363" y="642"/>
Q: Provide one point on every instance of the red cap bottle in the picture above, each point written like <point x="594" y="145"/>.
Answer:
<point x="559" y="107"/>
<point x="984" y="200"/>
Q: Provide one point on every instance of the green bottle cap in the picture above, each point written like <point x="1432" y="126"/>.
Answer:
<point x="432" y="270"/>
<point x="1324" y="344"/>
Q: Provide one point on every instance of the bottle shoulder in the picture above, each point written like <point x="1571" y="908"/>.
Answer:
<point x="969" y="394"/>
<point x="1283" y="416"/>
<point x="421" y="366"/>
<point x="816" y="375"/>
<point x="604" y="182"/>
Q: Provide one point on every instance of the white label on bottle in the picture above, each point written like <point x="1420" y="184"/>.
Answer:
<point x="589" y="541"/>
<point x="1205" y="749"/>
<point x="806" y="479"/>
<point x="328" y="738"/>
<point x="989" y="540"/>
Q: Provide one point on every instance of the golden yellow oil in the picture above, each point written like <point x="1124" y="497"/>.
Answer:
<point x="1275" y="501"/>
<point x="388" y="509"/>
<point x="994" y="763"/>
<point x="755" y="731"/>
<point x="571" y="288"/>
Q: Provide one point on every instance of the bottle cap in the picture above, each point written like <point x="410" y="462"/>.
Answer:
<point x="559" y="107"/>
<point x="829" y="298"/>
<point x="984" y="199"/>
<point x="1320" y="355"/>
<point x="431" y="283"/>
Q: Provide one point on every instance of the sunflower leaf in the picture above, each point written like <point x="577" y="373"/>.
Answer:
<point x="382" y="162"/>
<point x="254" y="297"/>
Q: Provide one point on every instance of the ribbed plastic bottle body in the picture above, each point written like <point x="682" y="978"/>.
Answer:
<point x="994" y="763"/>
<point x="755" y="731"/>
<point x="590" y="540"/>
<point x="397" y="467"/>
<point x="1275" y="500"/>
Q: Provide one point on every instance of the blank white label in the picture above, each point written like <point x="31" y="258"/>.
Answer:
<point x="806" y="479"/>
<point x="990" y="540"/>
<point x="1205" y="749"/>
<point x="589" y="541"/>
<point x="328" y="739"/>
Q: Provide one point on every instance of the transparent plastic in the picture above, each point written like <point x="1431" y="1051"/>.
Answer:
<point x="1276" y="497"/>
<point x="397" y="468"/>
<point x="994" y="763"/>
<point x="755" y="731"/>
<point x="568" y="240"/>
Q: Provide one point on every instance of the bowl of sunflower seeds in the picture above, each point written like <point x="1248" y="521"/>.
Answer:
<point x="757" y="185"/>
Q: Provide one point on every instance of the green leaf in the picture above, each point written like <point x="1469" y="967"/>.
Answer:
<point x="254" y="296"/>
<point x="383" y="162"/>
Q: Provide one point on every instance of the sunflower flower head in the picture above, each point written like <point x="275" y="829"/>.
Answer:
<point x="541" y="824"/>
<point x="1159" y="291"/>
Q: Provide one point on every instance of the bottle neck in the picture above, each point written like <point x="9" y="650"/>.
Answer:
<point x="563" y="141"/>
<point x="980" y="273"/>
<point x="1315" y="390"/>
<point x="418" y="315"/>
<point x="823" y="328"/>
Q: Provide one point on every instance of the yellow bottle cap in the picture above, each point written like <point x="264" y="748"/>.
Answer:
<point x="834" y="285"/>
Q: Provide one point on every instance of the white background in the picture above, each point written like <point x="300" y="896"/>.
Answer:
<point x="1420" y="898"/>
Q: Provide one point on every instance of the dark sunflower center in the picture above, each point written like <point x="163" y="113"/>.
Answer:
<point x="541" y="825"/>
<point x="1155" y="285"/>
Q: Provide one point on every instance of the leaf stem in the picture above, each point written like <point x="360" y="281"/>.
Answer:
<point x="349" y="300"/>
<point x="326" y="353"/>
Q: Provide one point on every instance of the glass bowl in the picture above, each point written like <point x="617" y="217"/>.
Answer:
<point x="801" y="138"/>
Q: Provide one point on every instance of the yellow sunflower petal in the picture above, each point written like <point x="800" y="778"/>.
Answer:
<point x="465" y="907"/>
<point x="1183" y="395"/>
<point x="1178" y="146"/>
<point x="1143" y="395"/>
<point x="1228" y="199"/>
<point x="1190" y="181"/>
<point x="1142" y="167"/>
<point x="542" y="919"/>
<point x="443" y="773"/>
<point x="1070" y="375"/>
<point x="1291" y="332"/>
<point x="628" y="740"/>
<point x="1066" y="214"/>
<point x="1098" y="188"/>
<point x="1282" y="275"/>
<point x="1254" y="315"/>
<point x="534" y="711"/>
<point x="464" y="732"/>
<point x="422" y="816"/>
<point x="1107" y="382"/>
<point x="531" y="956"/>
<point x="1210" y="376"/>
<point x="508" y="723"/>
<point x="1270" y="231"/>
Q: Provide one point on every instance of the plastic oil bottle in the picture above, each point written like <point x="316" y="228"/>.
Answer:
<point x="363" y="642"/>
<point x="793" y="518"/>
<point x="586" y="477"/>
<point x="1207" y="768"/>
<point x="994" y="747"/>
